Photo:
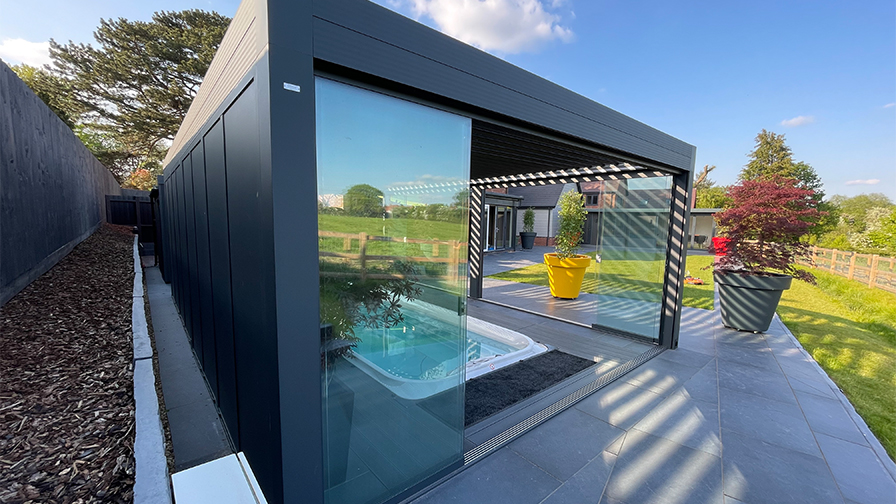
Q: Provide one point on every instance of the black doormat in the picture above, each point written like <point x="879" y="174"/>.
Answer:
<point x="491" y="393"/>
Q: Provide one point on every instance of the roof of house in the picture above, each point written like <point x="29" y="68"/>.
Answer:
<point x="539" y="196"/>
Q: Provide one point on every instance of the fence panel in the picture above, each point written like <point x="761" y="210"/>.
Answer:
<point x="869" y="269"/>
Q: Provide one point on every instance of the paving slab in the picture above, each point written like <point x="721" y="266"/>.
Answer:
<point x="686" y="421"/>
<point x="827" y="416"/>
<point x="620" y="404"/>
<point x="774" y="422"/>
<point x="503" y="476"/>
<point x="587" y="485"/>
<point x="857" y="471"/>
<point x="566" y="443"/>
<point x="730" y="417"/>
<point x="759" y="472"/>
<point x="651" y="469"/>
<point x="197" y="430"/>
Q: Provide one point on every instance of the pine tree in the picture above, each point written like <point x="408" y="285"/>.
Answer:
<point x="135" y="87"/>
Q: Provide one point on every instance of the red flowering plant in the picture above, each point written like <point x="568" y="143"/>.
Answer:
<point x="764" y="223"/>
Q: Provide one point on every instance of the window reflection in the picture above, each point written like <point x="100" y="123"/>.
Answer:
<point x="392" y="225"/>
<point x="634" y="229"/>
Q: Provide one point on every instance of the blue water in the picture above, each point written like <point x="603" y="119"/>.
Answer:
<point x="424" y="348"/>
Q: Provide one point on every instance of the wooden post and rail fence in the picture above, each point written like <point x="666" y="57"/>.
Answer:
<point x="454" y="249"/>
<point x="870" y="269"/>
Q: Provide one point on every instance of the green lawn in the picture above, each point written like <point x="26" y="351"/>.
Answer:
<point x="850" y="330"/>
<point x="395" y="228"/>
<point x="632" y="278"/>
<point x="847" y="327"/>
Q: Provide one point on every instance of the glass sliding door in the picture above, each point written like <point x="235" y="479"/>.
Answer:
<point x="392" y="224"/>
<point x="634" y="228"/>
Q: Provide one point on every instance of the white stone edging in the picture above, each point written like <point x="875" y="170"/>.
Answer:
<point x="878" y="449"/>
<point x="151" y="472"/>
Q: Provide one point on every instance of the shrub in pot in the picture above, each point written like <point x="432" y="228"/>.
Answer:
<point x="764" y="225"/>
<point x="527" y="235"/>
<point x="566" y="267"/>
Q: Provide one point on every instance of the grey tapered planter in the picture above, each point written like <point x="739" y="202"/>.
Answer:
<point x="749" y="301"/>
<point x="527" y="240"/>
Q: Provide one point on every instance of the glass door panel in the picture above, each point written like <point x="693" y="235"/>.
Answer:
<point x="633" y="235"/>
<point x="392" y="224"/>
<point x="500" y="223"/>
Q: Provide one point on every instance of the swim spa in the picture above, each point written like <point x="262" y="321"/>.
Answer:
<point x="420" y="357"/>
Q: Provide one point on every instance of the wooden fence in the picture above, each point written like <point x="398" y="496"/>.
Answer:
<point x="432" y="250"/>
<point x="870" y="269"/>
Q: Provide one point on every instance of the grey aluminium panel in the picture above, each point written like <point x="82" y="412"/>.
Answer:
<point x="177" y="215"/>
<point x="195" y="322"/>
<point x="203" y="270"/>
<point x="183" y="263"/>
<point x="292" y="159"/>
<point x="252" y="280"/>
<point x="219" y="261"/>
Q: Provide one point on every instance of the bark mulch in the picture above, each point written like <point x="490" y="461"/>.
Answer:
<point x="66" y="379"/>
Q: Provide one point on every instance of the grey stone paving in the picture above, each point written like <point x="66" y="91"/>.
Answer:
<point x="729" y="417"/>
<point x="506" y="260"/>
<point x="197" y="432"/>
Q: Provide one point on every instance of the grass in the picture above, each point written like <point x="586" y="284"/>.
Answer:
<point x="850" y="330"/>
<point x="631" y="277"/>
<point x="395" y="228"/>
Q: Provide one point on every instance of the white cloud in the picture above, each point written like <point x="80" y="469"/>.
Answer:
<point x="507" y="26"/>
<point x="798" y="121"/>
<point x="890" y="105"/>
<point x="863" y="182"/>
<point x="16" y="51"/>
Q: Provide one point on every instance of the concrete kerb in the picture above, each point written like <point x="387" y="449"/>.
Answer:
<point x="151" y="474"/>
<point x="879" y="450"/>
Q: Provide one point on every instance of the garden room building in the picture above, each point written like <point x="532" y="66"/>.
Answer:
<point x="323" y="209"/>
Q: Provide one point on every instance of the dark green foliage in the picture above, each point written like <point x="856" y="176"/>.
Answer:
<point x="53" y="90"/>
<point x="529" y="220"/>
<point x="434" y="212"/>
<point x="133" y="89"/>
<point x="363" y="200"/>
<point x="771" y="156"/>
<point x="572" y="217"/>
<point x="863" y="223"/>
<point x="712" y="197"/>
<point x="347" y="301"/>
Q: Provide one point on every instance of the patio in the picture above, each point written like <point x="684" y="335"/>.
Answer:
<point x="728" y="417"/>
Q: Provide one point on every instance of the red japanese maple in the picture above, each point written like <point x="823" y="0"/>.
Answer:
<point x="764" y="224"/>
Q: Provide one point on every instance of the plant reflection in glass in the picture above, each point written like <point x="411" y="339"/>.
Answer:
<point x="347" y="301"/>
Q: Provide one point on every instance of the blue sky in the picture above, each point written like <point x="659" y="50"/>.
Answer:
<point x="710" y="73"/>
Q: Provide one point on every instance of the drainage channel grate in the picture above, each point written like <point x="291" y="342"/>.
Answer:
<point x="559" y="406"/>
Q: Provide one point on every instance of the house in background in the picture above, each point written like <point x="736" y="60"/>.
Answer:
<point x="543" y="200"/>
<point x="703" y="227"/>
<point x="500" y="226"/>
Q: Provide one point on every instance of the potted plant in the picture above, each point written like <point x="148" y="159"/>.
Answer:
<point x="527" y="235"/>
<point x="566" y="267"/>
<point x="764" y="225"/>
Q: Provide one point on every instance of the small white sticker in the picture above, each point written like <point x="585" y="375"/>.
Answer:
<point x="292" y="87"/>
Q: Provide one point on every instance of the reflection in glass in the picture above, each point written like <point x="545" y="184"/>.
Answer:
<point x="633" y="234"/>
<point x="392" y="225"/>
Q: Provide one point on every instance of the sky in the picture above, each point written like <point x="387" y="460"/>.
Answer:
<point x="712" y="74"/>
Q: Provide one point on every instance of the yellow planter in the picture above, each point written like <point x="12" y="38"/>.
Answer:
<point x="565" y="275"/>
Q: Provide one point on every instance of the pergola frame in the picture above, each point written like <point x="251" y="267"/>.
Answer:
<point x="242" y="170"/>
